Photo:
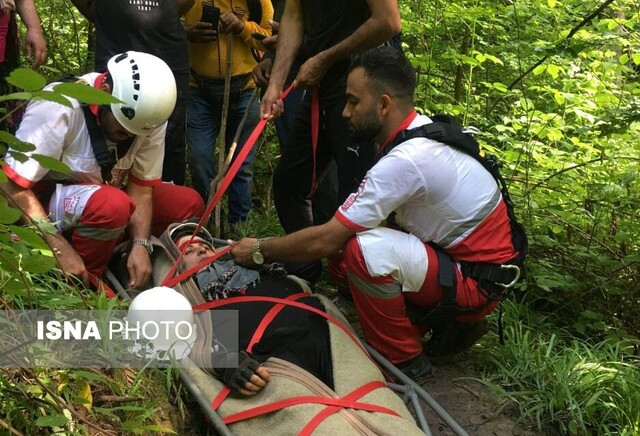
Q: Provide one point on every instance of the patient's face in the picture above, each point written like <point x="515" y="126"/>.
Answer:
<point x="195" y="253"/>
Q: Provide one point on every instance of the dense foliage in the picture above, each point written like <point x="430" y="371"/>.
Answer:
<point x="554" y="87"/>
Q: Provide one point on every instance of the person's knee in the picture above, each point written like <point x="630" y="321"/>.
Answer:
<point x="108" y="208"/>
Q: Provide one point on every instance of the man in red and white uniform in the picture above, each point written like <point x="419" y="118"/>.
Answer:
<point x="91" y="213"/>
<point x="439" y="195"/>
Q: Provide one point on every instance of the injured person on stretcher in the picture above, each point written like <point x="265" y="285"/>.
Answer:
<point x="299" y="366"/>
<point x="295" y="335"/>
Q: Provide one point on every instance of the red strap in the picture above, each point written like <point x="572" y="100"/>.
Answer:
<point x="219" y="303"/>
<point x="273" y="312"/>
<point x="257" y="335"/>
<point x="403" y="126"/>
<point x="349" y="398"/>
<point x="336" y="403"/>
<point x="217" y="401"/>
<point x="171" y="282"/>
<point x="222" y="188"/>
<point x="101" y="286"/>
<point x="315" y="129"/>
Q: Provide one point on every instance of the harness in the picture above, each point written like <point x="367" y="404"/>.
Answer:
<point x="106" y="158"/>
<point x="494" y="279"/>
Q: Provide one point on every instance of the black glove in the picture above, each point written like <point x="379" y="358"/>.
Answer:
<point x="236" y="378"/>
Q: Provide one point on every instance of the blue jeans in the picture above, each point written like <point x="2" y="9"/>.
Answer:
<point x="204" y="112"/>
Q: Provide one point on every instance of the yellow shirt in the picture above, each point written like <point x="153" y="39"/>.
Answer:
<point x="210" y="59"/>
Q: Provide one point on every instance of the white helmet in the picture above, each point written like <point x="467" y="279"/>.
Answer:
<point x="147" y="88"/>
<point x="164" y="318"/>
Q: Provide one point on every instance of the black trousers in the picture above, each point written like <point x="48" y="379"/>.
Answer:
<point x="294" y="172"/>
<point x="174" y="164"/>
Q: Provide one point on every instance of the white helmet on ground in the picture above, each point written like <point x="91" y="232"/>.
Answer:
<point x="164" y="318"/>
<point x="147" y="88"/>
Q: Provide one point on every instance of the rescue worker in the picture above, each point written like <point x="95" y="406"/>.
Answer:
<point x="90" y="210"/>
<point x="439" y="195"/>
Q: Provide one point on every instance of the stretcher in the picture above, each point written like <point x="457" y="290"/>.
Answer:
<point x="371" y="396"/>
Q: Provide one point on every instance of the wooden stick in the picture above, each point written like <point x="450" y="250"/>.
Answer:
<point x="222" y="133"/>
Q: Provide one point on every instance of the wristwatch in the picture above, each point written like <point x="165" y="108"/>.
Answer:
<point x="147" y="244"/>
<point x="256" y="255"/>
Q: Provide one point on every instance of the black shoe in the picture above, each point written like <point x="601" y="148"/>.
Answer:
<point x="455" y="338"/>
<point x="418" y="368"/>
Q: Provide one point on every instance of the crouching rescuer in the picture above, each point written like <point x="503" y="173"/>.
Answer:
<point x="429" y="241"/>
<point x="115" y="154"/>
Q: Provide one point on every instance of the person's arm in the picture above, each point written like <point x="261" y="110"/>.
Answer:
<point x="86" y="8"/>
<point x="383" y="24"/>
<point x="69" y="260"/>
<point x="34" y="44"/>
<point x="139" y="261"/>
<point x="290" y="37"/>
<point x="302" y="246"/>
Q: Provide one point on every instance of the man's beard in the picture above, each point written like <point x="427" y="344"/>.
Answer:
<point x="366" y="132"/>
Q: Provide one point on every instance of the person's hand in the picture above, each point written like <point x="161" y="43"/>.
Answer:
<point x="256" y="382"/>
<point x="242" y="251"/>
<point x="270" y="42"/>
<point x="271" y="105"/>
<point x="139" y="266"/>
<point x="312" y="71"/>
<point x="70" y="261"/>
<point x="262" y="71"/>
<point x="231" y="23"/>
<point x="36" y="47"/>
<point x="201" y="32"/>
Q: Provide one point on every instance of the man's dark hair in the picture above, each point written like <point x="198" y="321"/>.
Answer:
<point x="389" y="68"/>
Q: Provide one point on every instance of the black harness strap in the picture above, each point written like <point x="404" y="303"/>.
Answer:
<point x="495" y="279"/>
<point x="106" y="160"/>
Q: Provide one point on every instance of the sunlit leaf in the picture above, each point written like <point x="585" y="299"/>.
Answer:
<point x="53" y="97"/>
<point x="52" y="163"/>
<point x="85" y="93"/>
<point x="84" y="395"/>
<point x="8" y="214"/>
<point x="27" y="79"/>
<point x="15" y="143"/>
<point x="16" y="96"/>
<point x="52" y="421"/>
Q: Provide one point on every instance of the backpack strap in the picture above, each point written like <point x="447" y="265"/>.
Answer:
<point x="496" y="279"/>
<point x="106" y="160"/>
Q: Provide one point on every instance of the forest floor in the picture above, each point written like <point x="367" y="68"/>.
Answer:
<point x="474" y="406"/>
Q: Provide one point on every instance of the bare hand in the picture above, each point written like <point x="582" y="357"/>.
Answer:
<point x="257" y="382"/>
<point x="312" y="71"/>
<point x="139" y="266"/>
<point x="35" y="45"/>
<point x="242" y="251"/>
<point x="270" y="42"/>
<point x="262" y="72"/>
<point x="231" y="23"/>
<point x="70" y="261"/>
<point x="201" y="32"/>
<point x="271" y="105"/>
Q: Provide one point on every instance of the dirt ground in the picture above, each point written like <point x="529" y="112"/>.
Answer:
<point x="471" y="404"/>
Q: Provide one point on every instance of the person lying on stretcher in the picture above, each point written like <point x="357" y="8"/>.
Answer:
<point x="295" y="335"/>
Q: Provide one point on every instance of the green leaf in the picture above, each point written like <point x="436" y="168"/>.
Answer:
<point x="85" y="93"/>
<point x="38" y="263"/>
<point x="624" y="59"/>
<point x="551" y="3"/>
<point x="52" y="96"/>
<point x="27" y="79"/>
<point x="51" y="163"/>
<point x="85" y="397"/>
<point x="8" y="214"/>
<point x="15" y="143"/>
<point x="154" y="428"/>
<point x="553" y="70"/>
<point x="636" y="58"/>
<point x="17" y="96"/>
<point x="29" y="236"/>
<point x="52" y="421"/>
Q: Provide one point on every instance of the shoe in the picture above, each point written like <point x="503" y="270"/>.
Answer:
<point x="418" y="369"/>
<point x="455" y="338"/>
